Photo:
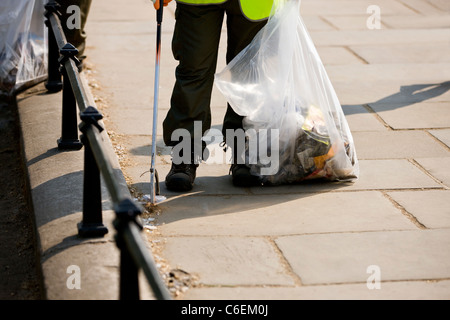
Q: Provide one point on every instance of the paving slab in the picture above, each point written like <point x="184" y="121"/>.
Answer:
<point x="421" y="6"/>
<point x="228" y="260"/>
<point x="337" y="56"/>
<point x="380" y="37"/>
<point x="441" y="4"/>
<point x="352" y="22"/>
<point x="137" y="119"/>
<point x="443" y="135"/>
<point x="404" y="53"/>
<point x="279" y="214"/>
<point x="392" y="174"/>
<point x="359" y="118"/>
<point x="430" y="207"/>
<point x="114" y="10"/>
<point x="345" y="257"/>
<point x="420" y="115"/>
<point x="352" y="7"/>
<point x="438" y="168"/>
<point x="317" y="23"/>
<point x="137" y="47"/>
<point x="401" y="290"/>
<point x="141" y="149"/>
<point x="118" y="82"/>
<point x="402" y="79"/>
<point x="384" y="174"/>
<point x="418" y="22"/>
<point x="397" y="145"/>
<point x="397" y="84"/>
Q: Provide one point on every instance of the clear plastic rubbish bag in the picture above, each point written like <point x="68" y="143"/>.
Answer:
<point x="280" y="86"/>
<point x="23" y="39"/>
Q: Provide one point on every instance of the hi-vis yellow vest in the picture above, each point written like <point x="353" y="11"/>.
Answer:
<point x="253" y="9"/>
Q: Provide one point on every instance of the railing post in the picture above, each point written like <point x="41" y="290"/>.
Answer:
<point x="129" y="279"/>
<point x="92" y="223"/>
<point x="127" y="211"/>
<point x="53" y="83"/>
<point x="69" y="129"/>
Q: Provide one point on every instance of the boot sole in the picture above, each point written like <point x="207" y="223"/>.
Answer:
<point x="178" y="182"/>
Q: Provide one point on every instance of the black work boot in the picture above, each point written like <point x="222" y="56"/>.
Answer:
<point x="181" y="177"/>
<point x="242" y="177"/>
<point x="182" y="173"/>
<point x="240" y="171"/>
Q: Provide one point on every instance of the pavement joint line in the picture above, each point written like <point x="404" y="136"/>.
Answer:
<point x="328" y="22"/>
<point x="387" y="25"/>
<point x="229" y="195"/>
<point x="210" y="285"/>
<point x="417" y="129"/>
<point x="377" y="116"/>
<point x="419" y="166"/>
<point x="381" y="281"/>
<point x="202" y="285"/>
<point x="304" y="234"/>
<point x="434" y="6"/>
<point x="364" y="61"/>
<point x="418" y="189"/>
<point x="383" y="23"/>
<point x="284" y="262"/>
<point x="411" y="8"/>
<point x="321" y="284"/>
<point x="381" y="159"/>
<point x="405" y="212"/>
<point x="437" y="139"/>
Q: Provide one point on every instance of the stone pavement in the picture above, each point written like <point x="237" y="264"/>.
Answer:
<point x="310" y="241"/>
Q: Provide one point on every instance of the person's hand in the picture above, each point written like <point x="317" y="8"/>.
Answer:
<point x="156" y="3"/>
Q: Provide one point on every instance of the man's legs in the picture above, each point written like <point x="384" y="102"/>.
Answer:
<point x="195" y="45"/>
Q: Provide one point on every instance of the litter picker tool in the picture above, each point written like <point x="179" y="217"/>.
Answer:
<point x="154" y="180"/>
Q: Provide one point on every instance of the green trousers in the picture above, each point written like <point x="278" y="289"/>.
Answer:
<point x="195" y="46"/>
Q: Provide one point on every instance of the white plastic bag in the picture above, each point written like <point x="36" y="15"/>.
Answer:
<point x="23" y="39"/>
<point x="279" y="84"/>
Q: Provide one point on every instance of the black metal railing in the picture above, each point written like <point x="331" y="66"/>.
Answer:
<point x="63" y="74"/>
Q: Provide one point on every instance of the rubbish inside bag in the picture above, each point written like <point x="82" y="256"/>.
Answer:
<point x="279" y="84"/>
<point x="313" y="154"/>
